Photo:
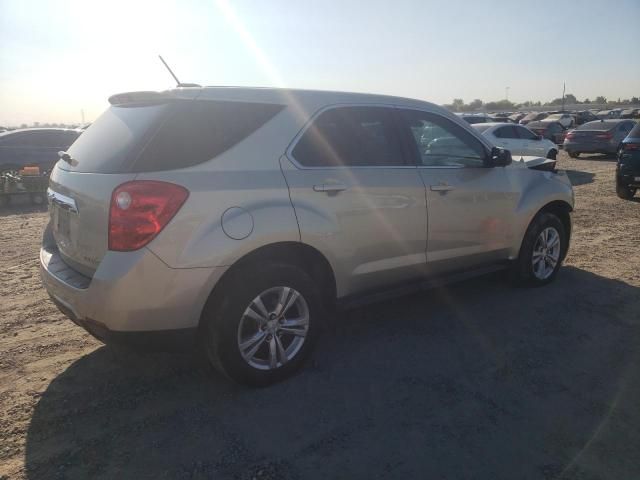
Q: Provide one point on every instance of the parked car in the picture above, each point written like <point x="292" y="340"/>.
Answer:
<point x="550" y="130"/>
<point x="533" y="117"/>
<point x="518" y="139"/>
<point x="516" y="117"/>
<point x="609" y="114"/>
<point x="628" y="165"/>
<point x="565" y="119"/>
<point x="473" y="119"/>
<point x="500" y="120"/>
<point x="584" y="117"/>
<point x="601" y="136"/>
<point x="238" y="218"/>
<point x="630" y="113"/>
<point x="34" y="146"/>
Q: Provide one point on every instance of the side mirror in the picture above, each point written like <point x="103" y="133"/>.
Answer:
<point x="499" y="157"/>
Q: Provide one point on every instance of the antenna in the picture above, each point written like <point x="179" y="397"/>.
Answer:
<point x="179" y="84"/>
<point x="170" y="71"/>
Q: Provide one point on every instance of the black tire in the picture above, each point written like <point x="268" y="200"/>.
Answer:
<point x="522" y="272"/>
<point x="38" y="198"/>
<point x="625" y="192"/>
<point x="552" y="154"/>
<point x="225" y="310"/>
<point x="573" y="154"/>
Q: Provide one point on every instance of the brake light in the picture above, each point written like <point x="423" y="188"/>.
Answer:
<point x="630" y="146"/>
<point x="139" y="210"/>
<point x="569" y="135"/>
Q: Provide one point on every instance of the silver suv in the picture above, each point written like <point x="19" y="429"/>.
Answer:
<point x="239" y="218"/>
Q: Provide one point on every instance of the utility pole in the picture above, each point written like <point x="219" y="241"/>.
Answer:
<point x="506" y="93"/>
<point x="563" y="89"/>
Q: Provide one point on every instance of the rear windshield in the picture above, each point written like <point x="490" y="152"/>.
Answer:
<point x="635" y="131"/>
<point x="169" y="136"/>
<point x="598" y="125"/>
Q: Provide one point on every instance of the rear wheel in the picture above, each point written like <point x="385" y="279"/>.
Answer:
<point x="552" y="154"/>
<point x="264" y="325"/>
<point x="625" y="192"/>
<point x="542" y="251"/>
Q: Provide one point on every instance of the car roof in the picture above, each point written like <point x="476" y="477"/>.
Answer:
<point x="603" y="123"/>
<point x="542" y="123"/>
<point x="39" y="129"/>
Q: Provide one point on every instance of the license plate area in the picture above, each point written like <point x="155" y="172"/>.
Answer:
<point x="61" y="222"/>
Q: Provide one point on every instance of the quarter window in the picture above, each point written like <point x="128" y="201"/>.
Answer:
<point x="442" y="143"/>
<point x="351" y="137"/>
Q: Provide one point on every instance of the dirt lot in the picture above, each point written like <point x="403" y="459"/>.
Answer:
<point x="479" y="380"/>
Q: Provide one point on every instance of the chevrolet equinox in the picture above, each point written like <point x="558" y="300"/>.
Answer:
<point x="240" y="218"/>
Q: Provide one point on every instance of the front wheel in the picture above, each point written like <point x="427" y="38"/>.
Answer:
<point x="625" y="192"/>
<point x="552" y="154"/>
<point x="542" y="251"/>
<point x="264" y="325"/>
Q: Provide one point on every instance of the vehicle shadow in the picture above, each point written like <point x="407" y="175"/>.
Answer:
<point x="578" y="177"/>
<point x="21" y="208"/>
<point x="475" y="380"/>
<point x="598" y="156"/>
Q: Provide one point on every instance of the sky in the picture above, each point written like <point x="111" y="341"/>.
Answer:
<point x="61" y="58"/>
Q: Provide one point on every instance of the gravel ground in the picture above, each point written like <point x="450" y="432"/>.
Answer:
<point x="477" y="380"/>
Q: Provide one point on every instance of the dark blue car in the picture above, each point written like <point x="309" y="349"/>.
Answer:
<point x="34" y="146"/>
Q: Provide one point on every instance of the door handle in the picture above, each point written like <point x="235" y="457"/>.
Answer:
<point x="442" y="187"/>
<point x="329" y="187"/>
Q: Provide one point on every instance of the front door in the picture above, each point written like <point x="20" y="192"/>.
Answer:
<point x="356" y="198"/>
<point x="470" y="206"/>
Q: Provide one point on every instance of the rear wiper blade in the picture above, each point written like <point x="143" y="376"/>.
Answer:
<point x="64" y="156"/>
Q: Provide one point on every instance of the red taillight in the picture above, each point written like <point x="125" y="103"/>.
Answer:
<point x="630" y="146"/>
<point x="604" y="136"/>
<point x="140" y="210"/>
<point x="569" y="135"/>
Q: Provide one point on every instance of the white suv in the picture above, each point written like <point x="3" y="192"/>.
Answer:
<point x="239" y="218"/>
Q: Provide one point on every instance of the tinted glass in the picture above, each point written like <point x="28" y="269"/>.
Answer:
<point x="351" y="136"/>
<point x="598" y="125"/>
<point x="635" y="131"/>
<point x="194" y="132"/>
<point x="526" y="134"/>
<point x="111" y="143"/>
<point x="506" y="132"/>
<point x="442" y="143"/>
<point x="165" y="136"/>
<point x="15" y="139"/>
<point x="625" y="127"/>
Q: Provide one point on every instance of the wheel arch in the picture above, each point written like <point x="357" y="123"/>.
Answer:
<point x="299" y="254"/>
<point x="560" y="209"/>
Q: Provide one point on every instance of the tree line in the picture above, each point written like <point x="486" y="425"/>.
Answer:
<point x="458" y="104"/>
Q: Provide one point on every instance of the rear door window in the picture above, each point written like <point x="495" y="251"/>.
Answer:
<point x="351" y="137"/>
<point x="526" y="134"/>
<point x="506" y="132"/>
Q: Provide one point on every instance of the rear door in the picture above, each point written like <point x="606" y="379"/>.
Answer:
<point x="357" y="199"/>
<point x="470" y="206"/>
<point x="531" y="143"/>
<point x="508" y="138"/>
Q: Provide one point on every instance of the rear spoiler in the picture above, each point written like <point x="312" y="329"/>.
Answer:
<point x="140" y="98"/>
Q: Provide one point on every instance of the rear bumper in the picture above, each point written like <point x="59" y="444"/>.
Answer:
<point x="589" y="147"/>
<point x="628" y="178"/>
<point x="132" y="292"/>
